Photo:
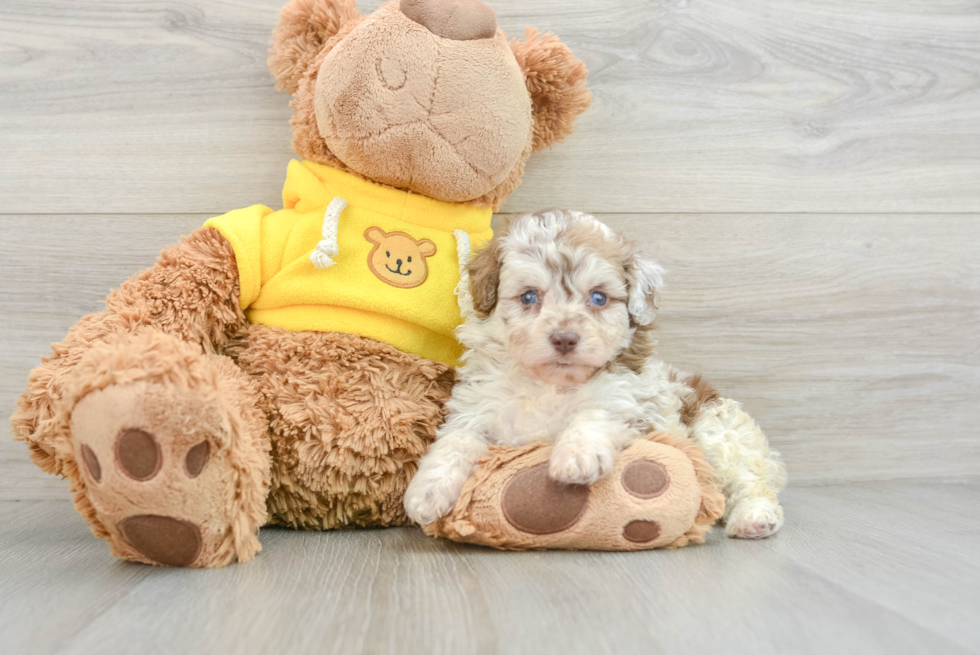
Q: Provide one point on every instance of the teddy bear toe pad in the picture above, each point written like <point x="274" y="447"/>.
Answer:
<point x="152" y="475"/>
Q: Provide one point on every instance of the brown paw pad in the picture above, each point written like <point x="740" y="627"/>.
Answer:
<point x="534" y="503"/>
<point x="196" y="458"/>
<point x="645" y="479"/>
<point x="162" y="539"/>
<point x="92" y="463"/>
<point x="138" y="454"/>
<point x="640" y="532"/>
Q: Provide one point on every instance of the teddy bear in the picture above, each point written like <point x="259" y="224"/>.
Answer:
<point x="290" y="367"/>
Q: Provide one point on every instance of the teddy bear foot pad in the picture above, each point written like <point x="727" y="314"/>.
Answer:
<point x="660" y="494"/>
<point x="155" y="477"/>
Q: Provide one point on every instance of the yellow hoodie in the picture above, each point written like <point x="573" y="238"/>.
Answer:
<point x="347" y="255"/>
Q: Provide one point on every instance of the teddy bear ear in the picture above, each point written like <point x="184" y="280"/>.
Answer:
<point x="375" y="235"/>
<point x="304" y="27"/>
<point x="556" y="81"/>
<point x="427" y="248"/>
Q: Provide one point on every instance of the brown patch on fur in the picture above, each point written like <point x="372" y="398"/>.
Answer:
<point x="640" y="350"/>
<point x="698" y="394"/>
<point x="349" y="418"/>
<point x="581" y="234"/>
<point x="484" y="273"/>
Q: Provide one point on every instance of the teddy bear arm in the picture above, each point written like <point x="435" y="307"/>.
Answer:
<point x="191" y="293"/>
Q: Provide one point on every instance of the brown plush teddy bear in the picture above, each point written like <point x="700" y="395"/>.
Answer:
<point x="290" y="367"/>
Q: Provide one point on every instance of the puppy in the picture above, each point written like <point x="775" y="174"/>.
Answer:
<point x="559" y="349"/>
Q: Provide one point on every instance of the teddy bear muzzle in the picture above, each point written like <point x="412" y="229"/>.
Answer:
<point x="460" y="20"/>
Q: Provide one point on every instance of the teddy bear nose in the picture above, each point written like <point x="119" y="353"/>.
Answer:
<point x="460" y="20"/>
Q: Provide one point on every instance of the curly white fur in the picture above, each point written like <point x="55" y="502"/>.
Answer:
<point x="517" y="386"/>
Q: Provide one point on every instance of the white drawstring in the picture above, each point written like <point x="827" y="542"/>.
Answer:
<point x="327" y="249"/>
<point x="463" y="296"/>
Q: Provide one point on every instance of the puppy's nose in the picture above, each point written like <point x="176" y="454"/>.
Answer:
<point x="460" y="20"/>
<point x="564" y="342"/>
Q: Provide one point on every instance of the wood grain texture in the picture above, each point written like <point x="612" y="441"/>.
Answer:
<point x="166" y="106"/>
<point x="852" y="339"/>
<point x="856" y="570"/>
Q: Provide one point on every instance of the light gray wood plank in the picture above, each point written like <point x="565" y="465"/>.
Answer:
<point x="708" y="106"/>
<point x="852" y="339"/>
<point x="821" y="585"/>
<point x="902" y="546"/>
<point x="55" y="577"/>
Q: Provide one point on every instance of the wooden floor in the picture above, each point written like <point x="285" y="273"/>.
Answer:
<point x="808" y="171"/>
<point x="887" y="567"/>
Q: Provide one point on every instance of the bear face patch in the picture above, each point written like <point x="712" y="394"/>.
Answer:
<point x="397" y="258"/>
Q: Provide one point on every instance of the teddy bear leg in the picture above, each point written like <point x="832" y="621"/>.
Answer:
<point x="659" y="494"/>
<point x="170" y="452"/>
<point x="349" y="419"/>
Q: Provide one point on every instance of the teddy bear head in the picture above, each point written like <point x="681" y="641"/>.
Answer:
<point x="424" y="95"/>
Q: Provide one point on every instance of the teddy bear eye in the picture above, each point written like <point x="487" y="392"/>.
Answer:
<point x="409" y="260"/>
<point x="387" y="253"/>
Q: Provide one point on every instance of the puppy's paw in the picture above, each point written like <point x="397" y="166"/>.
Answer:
<point x="432" y="494"/>
<point x="754" y="518"/>
<point x="580" y="463"/>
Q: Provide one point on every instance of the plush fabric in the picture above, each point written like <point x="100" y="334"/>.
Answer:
<point x="462" y="20"/>
<point x="348" y="420"/>
<point x="467" y="126"/>
<point x="553" y="79"/>
<point x="185" y="415"/>
<point x="345" y="418"/>
<point x="183" y="398"/>
<point x="363" y="293"/>
<point x="660" y="494"/>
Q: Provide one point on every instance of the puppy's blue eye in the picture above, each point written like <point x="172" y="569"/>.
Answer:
<point x="598" y="298"/>
<point x="529" y="297"/>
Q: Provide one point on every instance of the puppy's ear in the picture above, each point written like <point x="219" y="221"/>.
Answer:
<point x="644" y="279"/>
<point x="484" y="273"/>
<point x="556" y="81"/>
<point x="304" y="27"/>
